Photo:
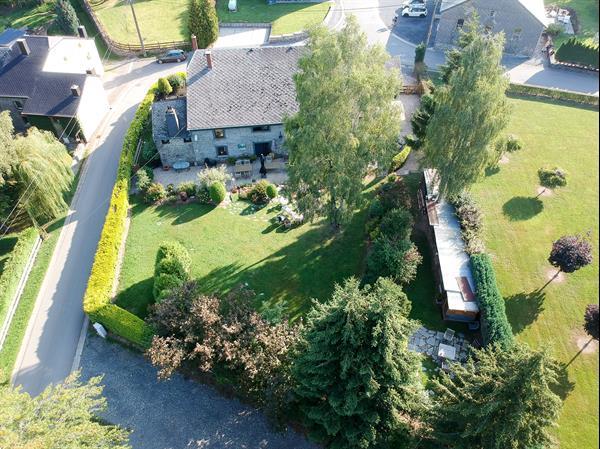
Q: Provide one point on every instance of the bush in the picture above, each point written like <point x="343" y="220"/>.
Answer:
<point x="258" y="193"/>
<point x="155" y="193"/>
<point x="208" y="176"/>
<point x="400" y="159"/>
<point x="217" y="192"/>
<point x="471" y="222"/>
<point x="164" y="87"/>
<point x="396" y="224"/>
<point x="96" y="301"/>
<point x="397" y="260"/>
<point x="575" y="51"/>
<point x="552" y="177"/>
<point x="171" y="268"/>
<point x="66" y="18"/>
<point x="525" y="90"/>
<point x="376" y="209"/>
<point x="143" y="181"/>
<point x="203" y="195"/>
<point x="177" y="81"/>
<point x="150" y="156"/>
<point x="495" y="327"/>
<point x="271" y="191"/>
<point x="189" y="188"/>
<point x="554" y="29"/>
<point x="394" y="194"/>
<point x="513" y="143"/>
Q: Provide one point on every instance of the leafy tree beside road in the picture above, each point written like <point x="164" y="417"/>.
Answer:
<point x="346" y="121"/>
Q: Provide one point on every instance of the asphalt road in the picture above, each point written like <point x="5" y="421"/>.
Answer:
<point x="54" y="329"/>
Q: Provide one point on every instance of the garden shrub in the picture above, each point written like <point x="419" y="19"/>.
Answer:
<point x="575" y="51"/>
<point x="495" y="327"/>
<point x="97" y="299"/>
<point x="143" y="181"/>
<point x="14" y="267"/>
<point x="554" y="29"/>
<point x="154" y="193"/>
<point x="513" y="143"/>
<point x="271" y="191"/>
<point x="516" y="89"/>
<point x="177" y="81"/>
<point x="171" y="268"/>
<point x="397" y="260"/>
<point x="164" y="87"/>
<point x="258" y="193"/>
<point x="149" y="157"/>
<point x="396" y="224"/>
<point x="400" y="159"/>
<point x="471" y="222"/>
<point x="189" y="188"/>
<point x="376" y="209"/>
<point x="203" y="195"/>
<point x="394" y="194"/>
<point x="552" y="177"/>
<point x="208" y="176"/>
<point x="217" y="192"/>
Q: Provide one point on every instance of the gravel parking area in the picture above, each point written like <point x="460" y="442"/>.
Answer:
<point x="175" y="414"/>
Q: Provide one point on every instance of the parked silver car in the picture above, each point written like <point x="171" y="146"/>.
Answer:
<point x="172" y="56"/>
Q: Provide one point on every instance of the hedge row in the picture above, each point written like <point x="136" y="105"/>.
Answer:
<point x="575" y="51"/>
<point x="555" y="94"/>
<point x="97" y="300"/>
<point x="495" y="327"/>
<point x="13" y="268"/>
<point x="399" y="159"/>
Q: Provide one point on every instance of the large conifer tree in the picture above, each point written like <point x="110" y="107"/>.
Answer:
<point x="358" y="384"/>
<point x="203" y="22"/>
<point x="66" y="18"/>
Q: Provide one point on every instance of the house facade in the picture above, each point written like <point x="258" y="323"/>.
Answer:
<point x="53" y="83"/>
<point x="235" y="104"/>
<point x="521" y="21"/>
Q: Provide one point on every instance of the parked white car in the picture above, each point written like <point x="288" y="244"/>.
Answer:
<point x="414" y="11"/>
<point x="414" y="3"/>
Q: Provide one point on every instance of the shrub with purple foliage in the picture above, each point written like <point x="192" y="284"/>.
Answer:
<point x="570" y="253"/>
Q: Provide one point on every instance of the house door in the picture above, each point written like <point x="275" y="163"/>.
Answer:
<point x="263" y="148"/>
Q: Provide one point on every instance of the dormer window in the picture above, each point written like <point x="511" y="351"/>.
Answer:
<point x="18" y="105"/>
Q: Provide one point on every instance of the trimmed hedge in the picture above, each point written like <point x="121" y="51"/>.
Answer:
<point x="13" y="268"/>
<point x="555" y="94"/>
<point x="495" y="327"/>
<point x="400" y="159"/>
<point x="575" y="51"/>
<point x="97" y="300"/>
<point x="171" y="268"/>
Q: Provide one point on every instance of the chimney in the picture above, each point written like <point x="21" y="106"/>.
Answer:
<point x="82" y="32"/>
<point x="172" y="122"/>
<point x="194" y="43"/>
<point x="75" y="90"/>
<point x="209" y="62"/>
<point x="23" y="47"/>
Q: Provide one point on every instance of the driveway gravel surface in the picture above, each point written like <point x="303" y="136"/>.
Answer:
<point x="178" y="413"/>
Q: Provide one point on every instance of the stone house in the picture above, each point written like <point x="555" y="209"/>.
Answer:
<point x="522" y="22"/>
<point x="53" y="83"/>
<point x="235" y="104"/>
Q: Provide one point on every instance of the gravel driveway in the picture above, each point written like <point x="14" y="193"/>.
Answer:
<point x="175" y="414"/>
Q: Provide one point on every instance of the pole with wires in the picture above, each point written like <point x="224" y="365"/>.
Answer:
<point x="137" y="27"/>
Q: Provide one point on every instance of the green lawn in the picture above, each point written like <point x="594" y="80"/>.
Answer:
<point x="587" y="14"/>
<point x="519" y="234"/>
<point x="238" y="244"/>
<point x="167" y="20"/>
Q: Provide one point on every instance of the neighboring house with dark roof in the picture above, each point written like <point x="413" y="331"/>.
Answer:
<point x="522" y="22"/>
<point x="53" y="83"/>
<point x="235" y="105"/>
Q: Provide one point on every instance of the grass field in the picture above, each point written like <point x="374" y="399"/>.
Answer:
<point x="519" y="233"/>
<point x="167" y="20"/>
<point x="238" y="244"/>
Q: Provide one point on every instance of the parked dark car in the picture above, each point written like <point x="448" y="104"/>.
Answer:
<point x="172" y="56"/>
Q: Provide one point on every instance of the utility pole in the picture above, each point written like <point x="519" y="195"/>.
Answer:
<point x="137" y="27"/>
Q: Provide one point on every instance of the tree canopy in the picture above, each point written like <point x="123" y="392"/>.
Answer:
<point x="470" y="113"/>
<point x="346" y="121"/>
<point x="358" y="384"/>
<point x="570" y="253"/>
<point x="500" y="399"/>
<point x="66" y="18"/>
<point x="62" y="417"/>
<point x="203" y="22"/>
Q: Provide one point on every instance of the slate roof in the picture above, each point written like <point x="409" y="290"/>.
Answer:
<point x="47" y="93"/>
<point x="159" y="122"/>
<point x="245" y="87"/>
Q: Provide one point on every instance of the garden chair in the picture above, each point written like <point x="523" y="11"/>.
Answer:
<point x="449" y="335"/>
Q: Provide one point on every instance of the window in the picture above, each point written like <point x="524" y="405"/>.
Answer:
<point x="219" y="133"/>
<point x="165" y="141"/>
<point x="460" y="23"/>
<point x="516" y="34"/>
<point x="258" y="129"/>
<point x="187" y="139"/>
<point x="222" y="150"/>
<point x="492" y="13"/>
<point x="18" y="105"/>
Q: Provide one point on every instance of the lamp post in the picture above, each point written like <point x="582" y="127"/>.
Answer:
<point x="137" y="27"/>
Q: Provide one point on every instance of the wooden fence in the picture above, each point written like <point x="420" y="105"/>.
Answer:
<point x="125" y="49"/>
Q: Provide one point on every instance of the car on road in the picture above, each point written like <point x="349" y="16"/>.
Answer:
<point x="414" y="11"/>
<point x="172" y="56"/>
<point x="414" y="3"/>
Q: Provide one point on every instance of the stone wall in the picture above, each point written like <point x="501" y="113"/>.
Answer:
<point x="522" y="30"/>
<point x="239" y="142"/>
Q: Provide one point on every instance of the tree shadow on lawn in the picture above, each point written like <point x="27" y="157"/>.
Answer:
<point x="491" y="171"/>
<point x="523" y="309"/>
<point x="137" y="297"/>
<point x="521" y="208"/>
<point x="183" y="213"/>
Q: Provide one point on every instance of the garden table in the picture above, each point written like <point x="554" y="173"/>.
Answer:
<point x="181" y="165"/>
<point x="447" y="351"/>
